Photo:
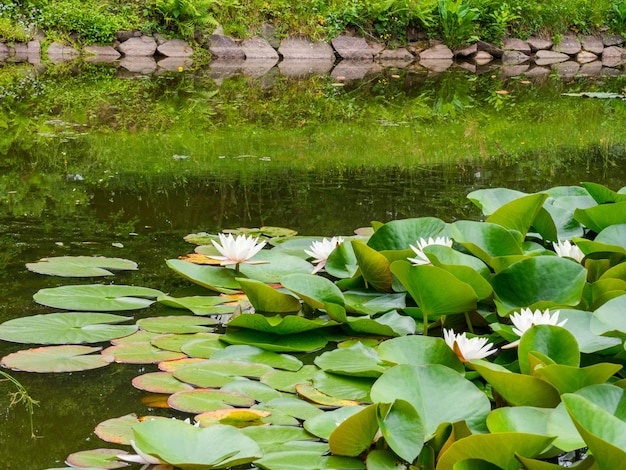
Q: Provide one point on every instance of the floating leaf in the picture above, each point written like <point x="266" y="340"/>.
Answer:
<point x="214" y="278"/>
<point x="184" y="445"/>
<point x="554" y="342"/>
<point x="286" y="381"/>
<point x="304" y="342"/>
<point x="295" y="407"/>
<point x="177" y="324"/>
<point x="313" y="395"/>
<point x="280" y="324"/>
<point x="402" y="428"/>
<point x="323" y="424"/>
<point x="400" y="234"/>
<point x="252" y="388"/>
<point x="313" y="290"/>
<point x="599" y="217"/>
<point x="499" y="449"/>
<point x="203" y="400"/>
<point x="159" y="382"/>
<point x="265" y="299"/>
<point x="366" y="302"/>
<point x="140" y="353"/>
<point x="175" y="341"/>
<point x="387" y="324"/>
<point x="100" y="458"/>
<point x="419" y="350"/>
<point x="199" y="305"/>
<point x="300" y="460"/>
<point x="276" y="265"/>
<point x="238" y="418"/>
<point x="65" y="328"/>
<point x="438" y="394"/>
<point x="214" y="373"/>
<point x="97" y="297"/>
<point x="343" y="386"/>
<point x="57" y="359"/>
<point x="80" y="266"/>
<point x="203" y="348"/>
<point x="541" y="278"/>
<point x="355" y="434"/>
<point x="373" y="265"/>
<point x="259" y="356"/>
<point x="117" y="430"/>
<point x="609" y="319"/>
<point x="520" y="214"/>
<point x="490" y="200"/>
<point x="357" y="360"/>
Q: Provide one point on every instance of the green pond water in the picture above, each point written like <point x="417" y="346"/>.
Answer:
<point x="93" y="162"/>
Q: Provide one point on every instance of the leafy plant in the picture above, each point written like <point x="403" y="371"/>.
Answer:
<point x="187" y="15"/>
<point x="458" y="21"/>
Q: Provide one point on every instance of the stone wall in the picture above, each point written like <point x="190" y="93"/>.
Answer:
<point x="139" y="53"/>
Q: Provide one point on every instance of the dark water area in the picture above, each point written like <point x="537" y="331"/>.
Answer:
<point x="145" y="217"/>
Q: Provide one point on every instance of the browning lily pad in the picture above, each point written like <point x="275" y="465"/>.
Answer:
<point x="117" y="430"/>
<point x="57" y="359"/>
<point x="80" y="266"/>
<point x="238" y="418"/>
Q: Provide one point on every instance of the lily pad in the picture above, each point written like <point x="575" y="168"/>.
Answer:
<point x="57" y="359"/>
<point x="141" y="353"/>
<point x="252" y="388"/>
<point x="80" y="266"/>
<point x="176" y="341"/>
<point x="325" y="423"/>
<point x="65" y="328"/>
<point x="187" y="446"/>
<point x="259" y="356"/>
<point x="215" y="373"/>
<point x="177" y="324"/>
<point x="238" y="418"/>
<point x="117" y="430"/>
<point x="304" y="342"/>
<point x="159" y="382"/>
<point x="203" y="400"/>
<point x="97" y="297"/>
<point x="357" y="360"/>
<point x="100" y="458"/>
<point x="279" y="324"/>
<point x="199" y="304"/>
<point x="215" y="278"/>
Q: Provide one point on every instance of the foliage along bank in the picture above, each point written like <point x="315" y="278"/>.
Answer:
<point x="456" y="22"/>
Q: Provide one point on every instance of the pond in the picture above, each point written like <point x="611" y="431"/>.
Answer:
<point x="95" y="162"/>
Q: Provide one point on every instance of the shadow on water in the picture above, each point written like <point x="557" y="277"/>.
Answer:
<point x="70" y="195"/>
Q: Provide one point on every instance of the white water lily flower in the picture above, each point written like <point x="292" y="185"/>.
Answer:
<point x="421" y="257"/>
<point x="141" y="457"/>
<point x="237" y="250"/>
<point x="321" y="250"/>
<point x="525" y="319"/>
<point x="468" y="349"/>
<point x="565" y="249"/>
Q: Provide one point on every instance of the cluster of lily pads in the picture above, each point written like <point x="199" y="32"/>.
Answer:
<point x="494" y="344"/>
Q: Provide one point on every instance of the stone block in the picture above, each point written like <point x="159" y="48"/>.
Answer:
<point x="175" y="48"/>
<point x="352" y="48"/>
<point x="296" y="48"/>
<point x="259" y="49"/>
<point x="143" y="46"/>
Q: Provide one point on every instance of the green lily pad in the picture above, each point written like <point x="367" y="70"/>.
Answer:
<point x="175" y="341"/>
<point x="203" y="348"/>
<point x="215" y="278"/>
<point x="374" y="266"/>
<point x="280" y="324"/>
<point x="203" y="400"/>
<point x="608" y="320"/>
<point x="387" y="324"/>
<point x="65" y="328"/>
<point x="199" y="304"/>
<point x="343" y="387"/>
<point x="286" y="381"/>
<point x="491" y="199"/>
<point x="599" y="217"/>
<point x="80" y="266"/>
<point x="323" y="424"/>
<point x="258" y="356"/>
<point x="355" y="434"/>
<point x="499" y="449"/>
<point x="303" y="342"/>
<point x="177" y="324"/>
<point x="357" y="361"/>
<point x="97" y="297"/>
<point x="268" y="436"/>
<point x="613" y="235"/>
<point x="419" y="350"/>
<point x="276" y="265"/>
<point x="289" y="406"/>
<point x="525" y="419"/>
<point x="438" y="394"/>
<point x="187" y="446"/>
<point x="215" y="373"/>
<point x="554" y="342"/>
<point x="315" y="291"/>
<point x="297" y="459"/>
<point x="486" y="241"/>
<point x="252" y="388"/>
<point x="141" y="353"/>
<point x="403" y="429"/>
<point x="400" y="234"/>
<point x="265" y="299"/>
<point x="57" y="359"/>
<point x="117" y="430"/>
<point x="366" y="302"/>
<point x="537" y="279"/>
<point x="236" y="417"/>
<point x="100" y="458"/>
<point x="159" y="382"/>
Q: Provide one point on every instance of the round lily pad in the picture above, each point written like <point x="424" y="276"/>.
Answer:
<point x="234" y="417"/>
<point x="177" y="324"/>
<point x="80" y="266"/>
<point x="159" y="382"/>
<point x="141" y="353"/>
<point x="57" y="359"/>
<point x="203" y="400"/>
<point x="175" y="341"/>
<point x="97" y="297"/>
<point x="117" y="430"/>
<point x="65" y="328"/>
<point x="100" y="458"/>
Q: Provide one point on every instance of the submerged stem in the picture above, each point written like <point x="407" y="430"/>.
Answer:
<point x="22" y="396"/>
<point x="470" y="327"/>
